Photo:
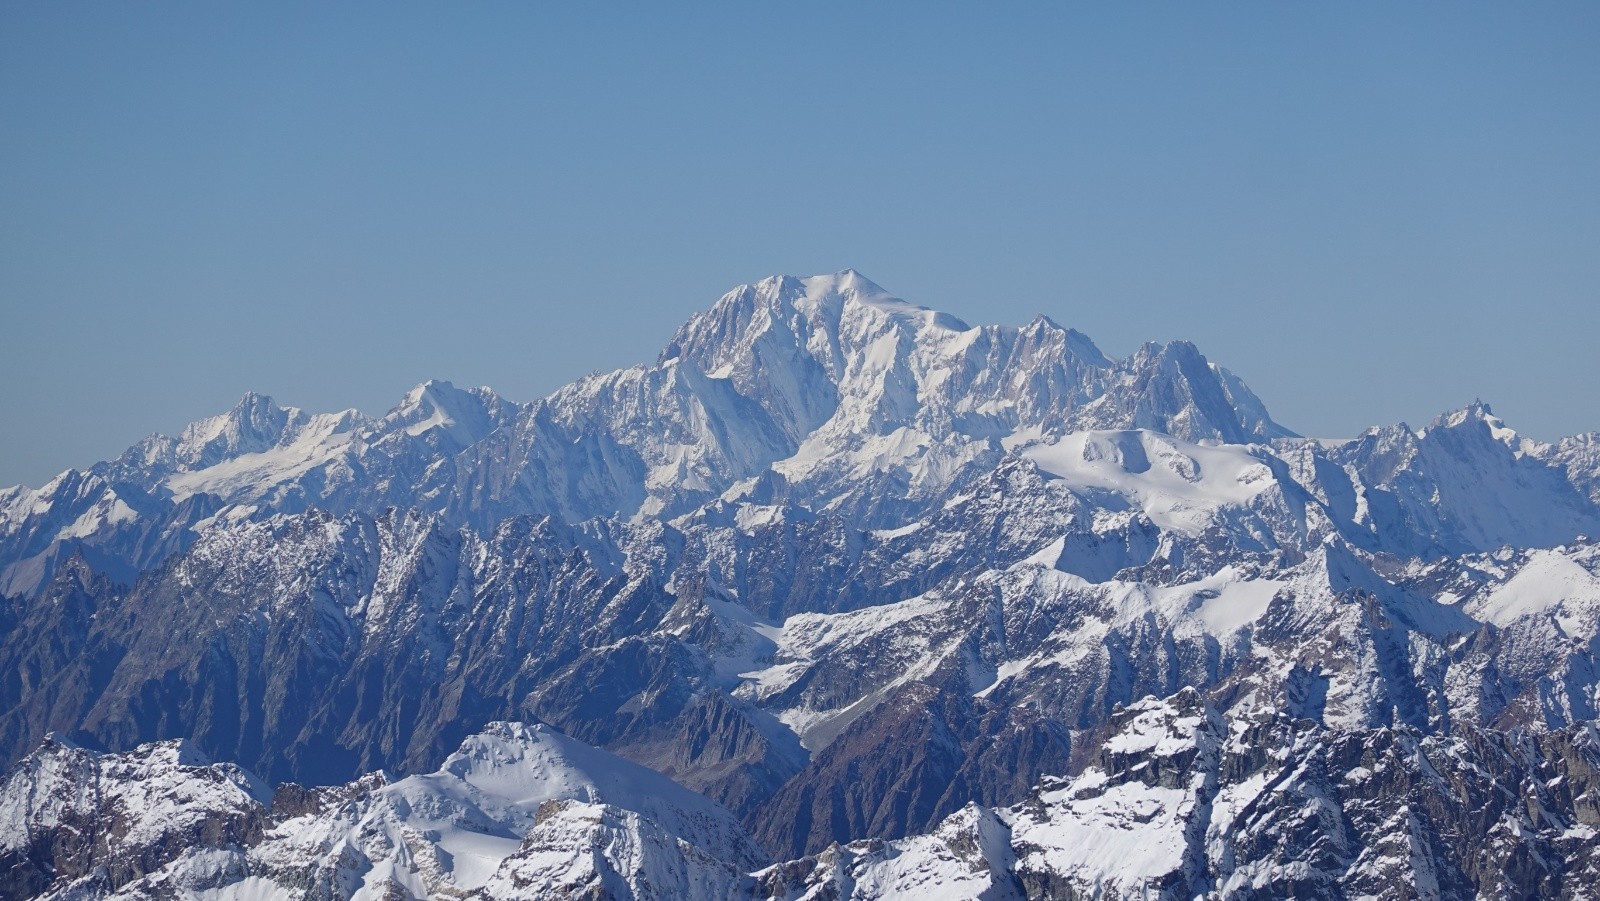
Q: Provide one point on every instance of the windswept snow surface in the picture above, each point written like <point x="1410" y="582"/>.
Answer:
<point x="1553" y="583"/>
<point x="1179" y="485"/>
<point x="322" y="440"/>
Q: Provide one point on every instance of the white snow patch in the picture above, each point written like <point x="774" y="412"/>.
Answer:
<point x="1178" y="484"/>
<point x="323" y="439"/>
<point x="1550" y="583"/>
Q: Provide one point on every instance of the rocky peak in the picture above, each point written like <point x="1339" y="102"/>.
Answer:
<point x="1467" y="483"/>
<point x="453" y="417"/>
<point x="1173" y="388"/>
<point x="67" y="813"/>
<point x="255" y="424"/>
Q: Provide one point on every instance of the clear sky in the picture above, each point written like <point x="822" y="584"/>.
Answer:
<point x="1371" y="212"/>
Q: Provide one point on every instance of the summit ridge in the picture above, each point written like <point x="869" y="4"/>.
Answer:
<point x="823" y="382"/>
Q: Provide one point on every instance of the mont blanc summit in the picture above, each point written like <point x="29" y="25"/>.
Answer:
<point x="839" y="597"/>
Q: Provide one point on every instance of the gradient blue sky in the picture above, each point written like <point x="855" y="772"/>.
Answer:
<point x="1371" y="212"/>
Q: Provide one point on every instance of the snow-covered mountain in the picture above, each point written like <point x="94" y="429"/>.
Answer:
<point x="860" y="587"/>
<point x="1183" y="802"/>
<point x="826" y="386"/>
<point x="1180" y="801"/>
<point x="512" y="804"/>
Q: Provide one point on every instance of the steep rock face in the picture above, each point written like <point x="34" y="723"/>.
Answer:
<point x="316" y="647"/>
<point x="1135" y="822"/>
<point x="917" y="757"/>
<point x="968" y="856"/>
<point x="825" y="393"/>
<point x="1579" y="455"/>
<point x="1465" y="483"/>
<point x="68" y="814"/>
<point x="116" y="528"/>
<point x="579" y="850"/>
<point x="654" y="701"/>
<point x="1538" y="651"/>
<point x="1158" y="581"/>
<point x="881" y="394"/>
<point x="129" y="514"/>
<point x="1174" y="390"/>
<point x="45" y="665"/>
<point x="514" y="806"/>
<point x="1262" y="807"/>
<point x="1181" y="802"/>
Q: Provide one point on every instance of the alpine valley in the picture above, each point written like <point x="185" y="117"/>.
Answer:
<point x="840" y="598"/>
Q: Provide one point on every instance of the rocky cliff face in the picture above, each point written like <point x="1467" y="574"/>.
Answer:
<point x="68" y="815"/>
<point x="881" y="587"/>
<point x="1178" y="801"/>
<point x="512" y="804"/>
<point x="1183" y="802"/>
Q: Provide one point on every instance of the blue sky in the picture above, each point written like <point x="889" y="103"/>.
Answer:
<point x="1371" y="212"/>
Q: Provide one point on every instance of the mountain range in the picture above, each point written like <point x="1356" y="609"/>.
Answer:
<point x="840" y="597"/>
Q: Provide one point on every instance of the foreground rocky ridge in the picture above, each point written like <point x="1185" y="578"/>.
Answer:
<point x="848" y="568"/>
<point x="512" y="804"/>
<point x="1180" y="801"/>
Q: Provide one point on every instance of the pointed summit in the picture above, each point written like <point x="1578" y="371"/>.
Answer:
<point x="1173" y="388"/>
<point x="1477" y="411"/>
<point x="437" y="407"/>
<point x="851" y="286"/>
<point x="255" y="424"/>
<point x="1479" y="417"/>
<point x="852" y="279"/>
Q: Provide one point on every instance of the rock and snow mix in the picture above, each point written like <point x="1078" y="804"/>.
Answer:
<point x="924" y="608"/>
<point x="1179" y="802"/>
<point x="513" y="804"/>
